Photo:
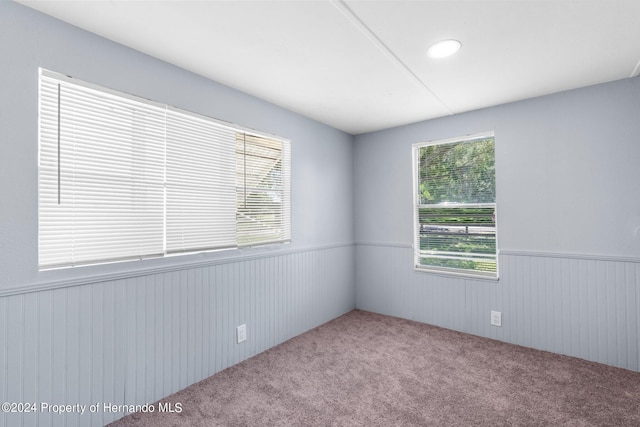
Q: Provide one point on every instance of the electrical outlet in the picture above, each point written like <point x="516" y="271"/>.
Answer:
<point x="241" y="333"/>
<point x="496" y="318"/>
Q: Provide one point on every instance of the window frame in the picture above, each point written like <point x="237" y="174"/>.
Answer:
<point x="47" y="180"/>
<point x="449" y="271"/>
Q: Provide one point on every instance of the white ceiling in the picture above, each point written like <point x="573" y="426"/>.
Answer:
<point x="361" y="65"/>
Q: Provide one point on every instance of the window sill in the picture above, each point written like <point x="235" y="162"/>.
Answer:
<point x="456" y="274"/>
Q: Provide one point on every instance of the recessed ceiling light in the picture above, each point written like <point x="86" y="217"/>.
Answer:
<point x="444" y="48"/>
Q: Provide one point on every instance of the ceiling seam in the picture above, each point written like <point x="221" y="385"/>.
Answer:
<point x="369" y="34"/>
<point x="636" y="71"/>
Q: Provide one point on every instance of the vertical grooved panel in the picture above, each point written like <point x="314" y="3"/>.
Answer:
<point x="159" y="330"/>
<point x="4" y="349"/>
<point x="86" y="357"/>
<point x="97" y="343"/>
<point x="29" y="350"/>
<point x="59" y="350"/>
<point x="14" y="354"/>
<point x="206" y="324"/>
<point x="632" y="310"/>
<point x="219" y="321"/>
<point x="120" y="333"/>
<point x="106" y="380"/>
<point x="131" y="351"/>
<point x="44" y="355"/>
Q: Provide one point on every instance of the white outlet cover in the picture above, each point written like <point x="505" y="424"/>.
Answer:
<point x="241" y="333"/>
<point x="496" y="318"/>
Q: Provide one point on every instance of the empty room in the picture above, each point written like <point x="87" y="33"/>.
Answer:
<point x="323" y="212"/>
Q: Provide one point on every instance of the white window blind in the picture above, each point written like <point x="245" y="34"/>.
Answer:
<point x="122" y="177"/>
<point x="201" y="196"/>
<point x="101" y="176"/>
<point x="455" y="226"/>
<point x="263" y="195"/>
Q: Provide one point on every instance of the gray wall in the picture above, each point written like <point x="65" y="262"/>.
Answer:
<point x="568" y="212"/>
<point x="135" y="332"/>
<point x="568" y="216"/>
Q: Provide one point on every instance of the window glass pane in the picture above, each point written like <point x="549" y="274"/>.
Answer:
<point x="455" y="206"/>
<point x="462" y="172"/>
<point x="458" y="238"/>
<point x="262" y="190"/>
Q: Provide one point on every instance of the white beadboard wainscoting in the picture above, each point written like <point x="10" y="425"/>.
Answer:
<point x="139" y="339"/>
<point x="577" y="305"/>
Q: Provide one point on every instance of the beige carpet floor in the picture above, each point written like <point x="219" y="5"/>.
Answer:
<point x="365" y="369"/>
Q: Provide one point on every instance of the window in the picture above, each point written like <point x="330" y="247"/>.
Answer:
<point x="126" y="178"/>
<point x="263" y="190"/>
<point x="455" y="208"/>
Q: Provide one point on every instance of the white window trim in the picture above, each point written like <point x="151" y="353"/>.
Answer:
<point x="448" y="272"/>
